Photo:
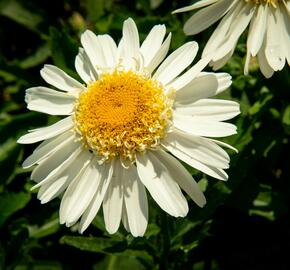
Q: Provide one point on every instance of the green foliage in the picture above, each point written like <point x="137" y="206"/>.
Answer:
<point x="62" y="48"/>
<point x="11" y="203"/>
<point x="245" y="223"/>
<point x="16" y="11"/>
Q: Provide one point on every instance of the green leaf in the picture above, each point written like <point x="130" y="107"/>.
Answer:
<point x="152" y="230"/>
<point x="99" y="223"/>
<point x="11" y="203"/>
<point x="11" y="72"/>
<point x="45" y="265"/>
<point x="17" y="12"/>
<point x="183" y="227"/>
<point x="38" y="57"/>
<point x="286" y="116"/>
<point x="155" y="3"/>
<point x="45" y="230"/>
<point x="63" y="49"/>
<point x="106" y="246"/>
<point x="9" y="152"/>
<point x="119" y="263"/>
<point x="14" y="126"/>
<point x="266" y="214"/>
<point x="95" y="9"/>
<point x="94" y="244"/>
<point x="262" y="103"/>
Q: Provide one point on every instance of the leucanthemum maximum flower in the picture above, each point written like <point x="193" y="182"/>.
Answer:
<point x="124" y="126"/>
<point x="268" y="36"/>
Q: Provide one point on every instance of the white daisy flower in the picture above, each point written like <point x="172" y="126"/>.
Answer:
<point x="121" y="126"/>
<point x="268" y="36"/>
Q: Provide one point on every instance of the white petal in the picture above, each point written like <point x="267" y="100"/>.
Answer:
<point x="206" y="17"/>
<point x="274" y="39"/>
<point x="190" y="74"/>
<point x="152" y="43"/>
<point x="287" y="6"/>
<point x="197" y="5"/>
<point x="53" y="185"/>
<point x="224" y="145"/>
<point x="109" y="49"/>
<point x="101" y="50"/>
<point x="49" y="101"/>
<point x="135" y="201"/>
<point x="257" y="30"/>
<point x="160" y="55"/>
<point x="218" y="36"/>
<point x="222" y="59"/>
<point x="55" y="160"/>
<point x="125" y="220"/>
<point x="211" y="109"/>
<point x="129" y="45"/>
<point x="265" y="68"/>
<point x="96" y="202"/>
<point x="46" y="148"/>
<point x="84" y="67"/>
<point x="238" y="26"/>
<point x="58" y="78"/>
<point x="159" y="181"/>
<point x="183" y="153"/>
<point x="183" y="178"/>
<point x="285" y="25"/>
<point x="81" y="192"/>
<point x="224" y="81"/>
<point x="113" y="200"/>
<point x="93" y="49"/>
<point x="44" y="133"/>
<point x="71" y="166"/>
<point x="202" y="86"/>
<point x="200" y="126"/>
<point x="131" y="36"/>
<point x="176" y="62"/>
<point x="198" y="148"/>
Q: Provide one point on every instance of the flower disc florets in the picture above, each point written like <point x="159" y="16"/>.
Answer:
<point x="121" y="114"/>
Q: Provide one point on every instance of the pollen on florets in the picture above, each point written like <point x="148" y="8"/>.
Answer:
<point x="274" y="3"/>
<point x="121" y="114"/>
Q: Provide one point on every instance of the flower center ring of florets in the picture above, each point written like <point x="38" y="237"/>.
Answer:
<point x="274" y="3"/>
<point x="123" y="113"/>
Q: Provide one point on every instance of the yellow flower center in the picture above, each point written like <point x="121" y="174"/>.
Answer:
<point x="274" y="3"/>
<point x="121" y="114"/>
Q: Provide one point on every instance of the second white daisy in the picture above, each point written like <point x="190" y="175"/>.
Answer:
<point x="268" y="37"/>
<point x="121" y="127"/>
